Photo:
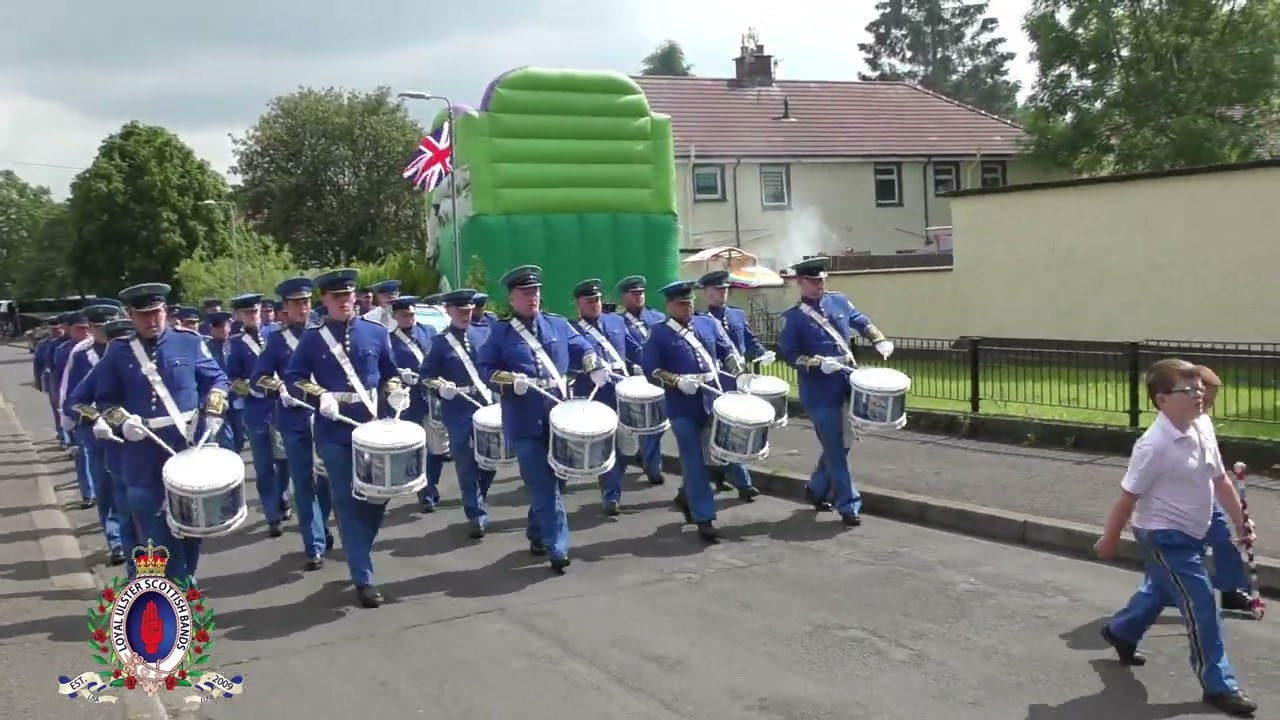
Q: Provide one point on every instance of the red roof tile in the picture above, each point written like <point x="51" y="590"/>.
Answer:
<point x="832" y="119"/>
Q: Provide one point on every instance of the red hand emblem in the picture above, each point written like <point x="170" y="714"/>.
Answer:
<point x="152" y="630"/>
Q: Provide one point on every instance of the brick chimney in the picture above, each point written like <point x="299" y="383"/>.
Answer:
<point x="753" y="67"/>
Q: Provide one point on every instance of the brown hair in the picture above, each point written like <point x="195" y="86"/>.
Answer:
<point x="1209" y="377"/>
<point x="1163" y="376"/>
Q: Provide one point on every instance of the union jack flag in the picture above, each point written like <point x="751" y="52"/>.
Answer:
<point x="432" y="161"/>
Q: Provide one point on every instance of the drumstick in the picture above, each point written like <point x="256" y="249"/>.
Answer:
<point x="468" y="398"/>
<point x="1256" y="606"/>
<point x="712" y="388"/>
<point x="147" y="431"/>
<point x="204" y="438"/>
<point x="544" y="393"/>
<point x="336" y="418"/>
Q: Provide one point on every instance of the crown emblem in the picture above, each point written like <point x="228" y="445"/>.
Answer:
<point x="150" y="561"/>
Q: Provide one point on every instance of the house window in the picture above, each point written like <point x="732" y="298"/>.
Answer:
<point x="946" y="177"/>
<point x="994" y="174"/>
<point x="888" y="181"/>
<point x="708" y="183"/>
<point x="775" y="187"/>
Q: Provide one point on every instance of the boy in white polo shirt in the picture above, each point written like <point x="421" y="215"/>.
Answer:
<point x="1174" y="474"/>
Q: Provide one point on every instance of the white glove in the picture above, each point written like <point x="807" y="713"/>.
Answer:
<point x="329" y="406"/>
<point x="885" y="348"/>
<point x="687" y="385"/>
<point x="767" y="358"/>
<point x="600" y="376"/>
<point x="408" y="377"/>
<point x="133" y="429"/>
<point x="398" y="399"/>
<point x="212" y="424"/>
<point x="67" y="423"/>
<point x="831" y="365"/>
<point x="447" y="390"/>
<point x="519" y="384"/>
<point x="102" y="430"/>
<point x="255" y="392"/>
<point x="289" y="401"/>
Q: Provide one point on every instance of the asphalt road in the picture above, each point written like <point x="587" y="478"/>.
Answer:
<point x="789" y="618"/>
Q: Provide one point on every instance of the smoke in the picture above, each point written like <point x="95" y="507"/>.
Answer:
<point x="804" y="234"/>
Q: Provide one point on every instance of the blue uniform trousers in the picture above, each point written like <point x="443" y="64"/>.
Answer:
<point x="1175" y="564"/>
<point x="143" y="470"/>
<point x="129" y="535"/>
<point x="359" y="521"/>
<point x="108" y="516"/>
<point x="430" y="495"/>
<point x="84" y="471"/>
<point x="270" y="487"/>
<point x="310" y="493"/>
<point x="832" y="476"/>
<point x="473" y="483"/>
<point x="232" y="436"/>
<point x="64" y="437"/>
<point x="651" y="455"/>
<point x="697" y="481"/>
<point x="1229" y="574"/>
<point x="548" y="523"/>
<point x="611" y="482"/>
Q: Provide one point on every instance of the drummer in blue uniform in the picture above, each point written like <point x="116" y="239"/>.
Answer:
<point x="410" y="342"/>
<point x="76" y="334"/>
<point x="480" y="317"/>
<point x="270" y="475"/>
<point x="40" y="359"/>
<point x="814" y="340"/>
<point x="189" y="318"/>
<point x="536" y="348"/>
<point x="218" y="338"/>
<point x="682" y="353"/>
<point x="59" y="336"/>
<point x="293" y="420"/>
<point x="212" y="306"/>
<point x="640" y="322"/>
<point x="620" y="351"/>
<point x="165" y="403"/>
<point x="350" y="358"/>
<point x="267" y="317"/>
<point x="91" y="458"/>
<point x="451" y="368"/>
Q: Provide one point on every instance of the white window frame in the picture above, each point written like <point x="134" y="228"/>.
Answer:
<point x="997" y="168"/>
<point x="940" y="171"/>
<point x="887" y="171"/>
<point x="716" y="171"/>
<point x="784" y="173"/>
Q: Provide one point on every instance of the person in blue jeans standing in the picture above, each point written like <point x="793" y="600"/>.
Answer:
<point x="1174" y="474"/>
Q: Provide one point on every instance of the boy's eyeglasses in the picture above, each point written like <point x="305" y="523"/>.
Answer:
<point x="1190" y="391"/>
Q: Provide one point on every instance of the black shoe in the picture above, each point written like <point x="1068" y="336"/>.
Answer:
<point x="328" y="541"/>
<point x="708" y="532"/>
<point x="476" y="532"/>
<point x="537" y="548"/>
<point x="657" y="479"/>
<point x="274" y="530"/>
<point x="315" y="562"/>
<point x="116" y="557"/>
<point x="1233" y="703"/>
<point x="86" y="503"/>
<point x="428" y="508"/>
<point x="369" y="596"/>
<point x="1127" y="652"/>
<point x="851" y="519"/>
<point x="682" y="504"/>
<point x="748" y="494"/>
<point x="1236" y="600"/>
<point x="611" y="509"/>
<point x="558" y="565"/>
<point x="819" y="505"/>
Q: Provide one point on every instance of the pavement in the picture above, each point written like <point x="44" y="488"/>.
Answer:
<point x="790" y="617"/>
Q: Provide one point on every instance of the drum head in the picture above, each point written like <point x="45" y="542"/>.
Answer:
<point x="764" y="384"/>
<point x="389" y="434"/>
<point x="743" y="409"/>
<point x="488" y="417"/>
<point x="880" y="380"/>
<point x="584" y="418"/>
<point x="637" y="388"/>
<point x="202" y="470"/>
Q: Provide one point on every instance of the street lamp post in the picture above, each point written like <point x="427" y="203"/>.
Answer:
<point x="231" y="213"/>
<point x="453" y="184"/>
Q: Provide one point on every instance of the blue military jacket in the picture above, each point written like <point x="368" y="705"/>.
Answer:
<point x="241" y="361"/>
<point x="668" y="349"/>
<point x="82" y="359"/>
<point x="44" y="361"/>
<point x="409" y="350"/>
<point x="525" y="416"/>
<point x="444" y="363"/>
<point x="802" y="336"/>
<point x="641" y="325"/>
<point x="61" y="354"/>
<point x="367" y="347"/>
<point x="81" y="396"/>
<point x="273" y="361"/>
<point x="622" y="356"/>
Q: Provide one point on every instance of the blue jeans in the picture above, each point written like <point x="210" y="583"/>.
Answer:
<point x="473" y="483"/>
<point x="358" y="520"/>
<point x="104" y="491"/>
<point x="270" y="487"/>
<point x="1175" y="566"/>
<point x="310" y="493"/>
<point x="548" y="523"/>
<point x="832" y="476"/>
<point x="697" y="483"/>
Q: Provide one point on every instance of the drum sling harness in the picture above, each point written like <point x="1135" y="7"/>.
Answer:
<point x="637" y="324"/>
<point x="826" y="325"/>
<point x="152" y="375"/>
<point x="353" y="380"/>
<point x="540" y="354"/>
<point x="701" y="352"/>
<point x="610" y="351"/>
<point x="254" y="348"/>
<point x="292" y="341"/>
<point x="85" y="346"/>
<point x="413" y="345"/>
<point x="722" y="327"/>
<point x="465" y="358"/>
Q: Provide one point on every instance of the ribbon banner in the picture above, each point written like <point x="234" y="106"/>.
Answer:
<point x="87" y="686"/>
<point x="216" y="687"/>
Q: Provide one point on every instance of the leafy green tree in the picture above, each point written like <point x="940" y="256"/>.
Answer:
<point x="24" y="211"/>
<point x="320" y="172"/>
<point x="476" y="277"/>
<point x="206" y="275"/>
<point x="952" y="47"/>
<point x="666" y="59"/>
<point x="136" y="210"/>
<point x="1148" y="85"/>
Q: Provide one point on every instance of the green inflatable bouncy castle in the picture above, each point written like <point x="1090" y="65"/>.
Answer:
<point x="566" y="169"/>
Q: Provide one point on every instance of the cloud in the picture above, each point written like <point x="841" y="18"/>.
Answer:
<point x="73" y="72"/>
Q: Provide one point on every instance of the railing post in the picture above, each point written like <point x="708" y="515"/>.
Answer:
<point x="1135" y="384"/>
<point x="975" y="376"/>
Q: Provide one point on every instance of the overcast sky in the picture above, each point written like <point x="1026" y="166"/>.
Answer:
<point x="73" y="71"/>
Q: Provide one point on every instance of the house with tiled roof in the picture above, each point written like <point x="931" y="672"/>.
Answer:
<point x="783" y="167"/>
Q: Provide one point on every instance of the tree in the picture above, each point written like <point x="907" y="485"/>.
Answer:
<point x="951" y="47"/>
<point x="206" y="275"/>
<point x="136" y="210"/>
<point x="24" y="210"/>
<point x="666" y="59"/>
<point x="1145" y="85"/>
<point x="476" y="277"/>
<point x="320" y="172"/>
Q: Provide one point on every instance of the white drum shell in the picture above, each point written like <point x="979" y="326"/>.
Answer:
<point x="204" y="492"/>
<point x="879" y="398"/>
<point x="740" y="428"/>
<point x="437" y="437"/>
<point x="388" y="459"/>
<point x="773" y="390"/>
<point x="277" y="445"/>
<point x="582" y="439"/>
<point x="642" y="407"/>
<point x="488" y="441"/>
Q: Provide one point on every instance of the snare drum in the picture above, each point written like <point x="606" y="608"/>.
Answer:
<point x="435" y="404"/>
<point x="879" y="398"/>
<point x="642" y="407"/>
<point x="387" y="459"/>
<point x="277" y="445"/>
<point x="204" y="490"/>
<point x="582" y="433"/>
<point x="740" y="428"/>
<point x="487" y="440"/>
<point x="437" y="437"/>
<point x="773" y="390"/>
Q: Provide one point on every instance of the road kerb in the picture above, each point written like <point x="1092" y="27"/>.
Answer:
<point x="1059" y="536"/>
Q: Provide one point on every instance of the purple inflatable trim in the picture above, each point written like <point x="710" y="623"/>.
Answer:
<point x="488" y="92"/>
